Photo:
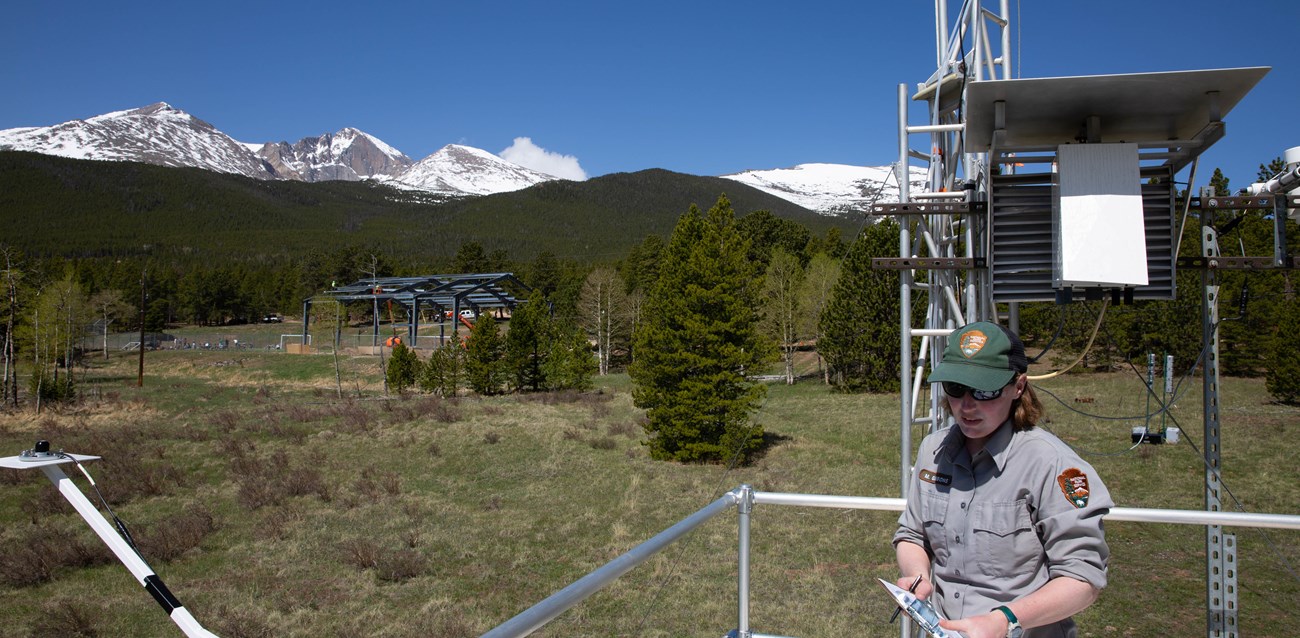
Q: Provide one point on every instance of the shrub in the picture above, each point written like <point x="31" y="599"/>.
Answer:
<point x="174" y="536"/>
<point x="403" y="368"/>
<point x="441" y="373"/>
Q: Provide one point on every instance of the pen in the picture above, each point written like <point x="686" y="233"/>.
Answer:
<point x="909" y="590"/>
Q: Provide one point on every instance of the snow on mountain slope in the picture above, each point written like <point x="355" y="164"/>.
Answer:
<point x="829" y="188"/>
<point x="155" y="134"/>
<point x="461" y="170"/>
<point x="349" y="155"/>
<point x="161" y="134"/>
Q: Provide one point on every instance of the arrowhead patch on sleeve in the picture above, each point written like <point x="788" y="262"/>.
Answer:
<point x="1074" y="484"/>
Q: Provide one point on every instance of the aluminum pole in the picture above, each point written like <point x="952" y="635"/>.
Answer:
<point x="534" y="617"/>
<point x="905" y="302"/>
<point x="746" y="505"/>
<point x="49" y="465"/>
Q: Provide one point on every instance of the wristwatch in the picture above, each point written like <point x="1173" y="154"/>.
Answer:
<point x="1014" y="630"/>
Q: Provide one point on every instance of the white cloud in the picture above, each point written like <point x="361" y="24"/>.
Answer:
<point x="529" y="155"/>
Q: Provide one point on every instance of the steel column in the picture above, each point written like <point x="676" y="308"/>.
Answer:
<point x="1220" y="594"/>
<point x="743" y="508"/>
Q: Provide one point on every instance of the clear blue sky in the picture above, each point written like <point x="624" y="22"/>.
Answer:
<point x="699" y="87"/>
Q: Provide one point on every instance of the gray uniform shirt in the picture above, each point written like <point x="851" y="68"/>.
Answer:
<point x="998" y="526"/>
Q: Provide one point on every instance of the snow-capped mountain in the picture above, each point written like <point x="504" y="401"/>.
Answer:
<point x="457" y="169"/>
<point x="349" y="155"/>
<point x="830" y="188"/>
<point x="155" y="134"/>
<point x="161" y="134"/>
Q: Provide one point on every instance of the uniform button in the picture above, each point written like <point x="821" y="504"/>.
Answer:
<point x="956" y="594"/>
<point x="959" y="540"/>
<point x="963" y="506"/>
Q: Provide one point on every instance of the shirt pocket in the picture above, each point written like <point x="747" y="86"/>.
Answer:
<point x="934" y="511"/>
<point x="1005" y="541"/>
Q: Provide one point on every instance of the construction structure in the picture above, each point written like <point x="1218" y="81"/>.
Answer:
<point x="1060" y="189"/>
<point x="445" y="297"/>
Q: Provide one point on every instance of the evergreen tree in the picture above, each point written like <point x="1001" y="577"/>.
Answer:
<point x="767" y="232"/>
<point x="483" y="357"/>
<point x="471" y="258"/>
<point x="544" y="275"/>
<point x="1283" y="377"/>
<point x="441" y="373"/>
<point x="403" y="368"/>
<point x="860" y="333"/>
<point x="697" y="338"/>
<point x="525" y="346"/>
<point x="569" y="364"/>
<point x="641" y="268"/>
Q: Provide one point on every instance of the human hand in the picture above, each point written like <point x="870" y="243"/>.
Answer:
<point x="990" y="625"/>
<point x="922" y="589"/>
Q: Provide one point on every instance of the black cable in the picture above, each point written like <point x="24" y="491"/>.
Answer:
<point x="1060" y="328"/>
<point x="1282" y="560"/>
<point x="117" y="522"/>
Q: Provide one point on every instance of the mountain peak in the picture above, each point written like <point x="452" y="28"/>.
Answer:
<point x="456" y="169"/>
<point x="155" y="134"/>
<point x="829" y="188"/>
<point x="349" y="155"/>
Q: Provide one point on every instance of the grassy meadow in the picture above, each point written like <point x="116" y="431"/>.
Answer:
<point x="272" y="507"/>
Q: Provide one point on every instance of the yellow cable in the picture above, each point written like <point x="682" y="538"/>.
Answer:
<point x="1095" y="329"/>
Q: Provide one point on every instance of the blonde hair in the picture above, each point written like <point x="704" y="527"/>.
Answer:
<point x="1026" y="410"/>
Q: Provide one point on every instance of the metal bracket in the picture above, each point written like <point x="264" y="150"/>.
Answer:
<point x="927" y="263"/>
<point x="929" y="208"/>
<point x="1237" y="263"/>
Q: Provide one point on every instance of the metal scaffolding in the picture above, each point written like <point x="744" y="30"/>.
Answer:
<point x="985" y="235"/>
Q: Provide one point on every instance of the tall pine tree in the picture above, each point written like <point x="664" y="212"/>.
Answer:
<point x="698" y="336"/>
<point x="859" y="328"/>
<point x="525" y="345"/>
<point x="484" y="354"/>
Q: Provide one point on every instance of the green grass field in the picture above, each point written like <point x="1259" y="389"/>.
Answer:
<point x="272" y="508"/>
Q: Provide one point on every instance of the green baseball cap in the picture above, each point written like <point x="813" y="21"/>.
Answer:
<point x="981" y="355"/>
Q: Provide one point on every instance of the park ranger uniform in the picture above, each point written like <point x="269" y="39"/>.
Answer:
<point x="998" y="526"/>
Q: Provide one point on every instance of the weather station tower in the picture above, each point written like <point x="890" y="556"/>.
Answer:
<point x="1056" y="190"/>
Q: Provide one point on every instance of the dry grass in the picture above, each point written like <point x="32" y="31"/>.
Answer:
<point x="272" y="508"/>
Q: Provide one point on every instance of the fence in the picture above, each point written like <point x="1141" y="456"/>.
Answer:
<point x="744" y="498"/>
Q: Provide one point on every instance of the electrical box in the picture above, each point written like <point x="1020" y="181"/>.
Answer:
<point x="1097" y="225"/>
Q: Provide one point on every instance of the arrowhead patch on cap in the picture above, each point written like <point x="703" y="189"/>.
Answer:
<point x="972" y="342"/>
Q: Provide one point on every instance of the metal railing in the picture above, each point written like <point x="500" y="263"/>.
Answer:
<point x="744" y="498"/>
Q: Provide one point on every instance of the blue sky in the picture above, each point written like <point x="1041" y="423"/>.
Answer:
<point x="699" y="87"/>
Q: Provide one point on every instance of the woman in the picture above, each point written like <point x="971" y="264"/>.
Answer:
<point x="1003" y="525"/>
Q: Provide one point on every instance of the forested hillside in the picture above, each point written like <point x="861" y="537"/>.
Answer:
<point x="56" y="207"/>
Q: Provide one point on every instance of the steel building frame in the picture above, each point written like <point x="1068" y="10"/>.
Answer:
<point x="443" y="294"/>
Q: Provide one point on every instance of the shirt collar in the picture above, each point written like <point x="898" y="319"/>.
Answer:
<point x="954" y="444"/>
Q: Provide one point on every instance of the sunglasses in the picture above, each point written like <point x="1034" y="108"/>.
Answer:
<point x="957" y="391"/>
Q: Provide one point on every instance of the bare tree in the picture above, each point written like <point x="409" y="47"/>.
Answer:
<point x="9" y="381"/>
<point x="782" y="316"/>
<point x="109" y="306"/>
<point x="822" y="273"/>
<point x="57" y="317"/>
<point x="602" y="313"/>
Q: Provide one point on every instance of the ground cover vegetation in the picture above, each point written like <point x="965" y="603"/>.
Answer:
<point x="533" y="407"/>
<point x="272" y="508"/>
